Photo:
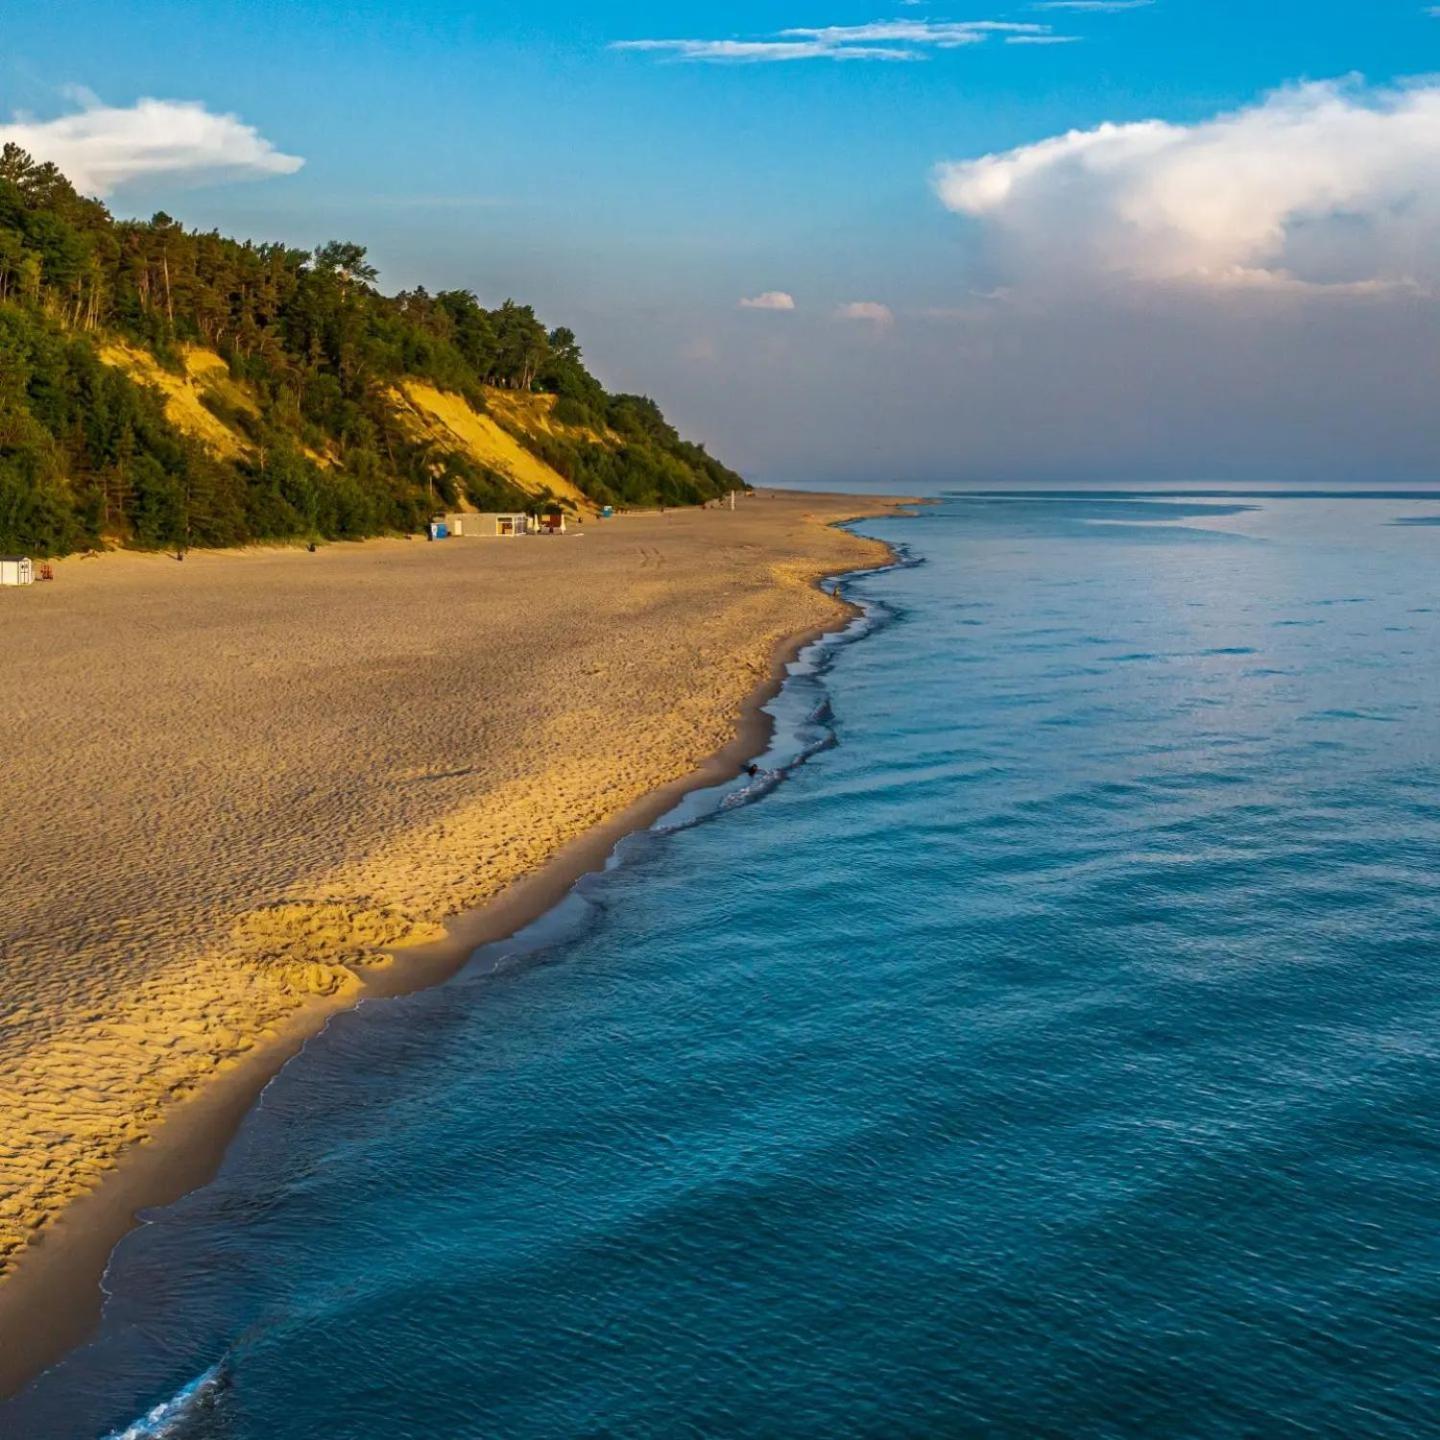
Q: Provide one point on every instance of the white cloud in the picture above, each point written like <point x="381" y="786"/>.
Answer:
<point x="1094" y="7"/>
<point x="769" y="300"/>
<point x="871" y="311"/>
<point x="765" y="50"/>
<point x="102" y="147"/>
<point x="945" y="35"/>
<point x="878" y="40"/>
<point x="1318" y="185"/>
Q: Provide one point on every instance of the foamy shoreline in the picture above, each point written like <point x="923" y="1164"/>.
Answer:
<point x="746" y="581"/>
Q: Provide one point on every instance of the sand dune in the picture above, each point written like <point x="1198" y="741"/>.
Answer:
<point x="229" y="783"/>
<point x="203" y="400"/>
<point x="203" y="374"/>
<point x="450" y="422"/>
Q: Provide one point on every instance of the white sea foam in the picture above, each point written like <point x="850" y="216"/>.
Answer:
<point x="165" y="1420"/>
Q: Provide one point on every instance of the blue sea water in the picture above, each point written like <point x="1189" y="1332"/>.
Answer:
<point x="1054" y="1055"/>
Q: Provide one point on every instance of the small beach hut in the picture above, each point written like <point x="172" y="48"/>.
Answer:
<point x="491" y="523"/>
<point x="17" y="570"/>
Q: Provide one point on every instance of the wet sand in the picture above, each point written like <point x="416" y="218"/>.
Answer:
<point x="251" y="788"/>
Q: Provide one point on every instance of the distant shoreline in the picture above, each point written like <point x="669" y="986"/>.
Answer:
<point x="50" y="1300"/>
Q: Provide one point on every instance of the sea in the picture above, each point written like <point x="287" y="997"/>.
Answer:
<point x="1043" y="1044"/>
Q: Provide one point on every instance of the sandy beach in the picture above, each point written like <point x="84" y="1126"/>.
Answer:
<point x="245" y="790"/>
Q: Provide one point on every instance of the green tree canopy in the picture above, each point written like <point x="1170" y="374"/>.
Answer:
<point x="87" y="454"/>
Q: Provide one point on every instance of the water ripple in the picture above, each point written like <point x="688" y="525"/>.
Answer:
<point x="1045" y="1043"/>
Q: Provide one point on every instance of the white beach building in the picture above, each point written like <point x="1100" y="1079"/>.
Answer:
<point x="17" y="570"/>
<point x="488" y="524"/>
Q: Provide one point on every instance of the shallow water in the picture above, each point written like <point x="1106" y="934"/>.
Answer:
<point x="1055" y="1055"/>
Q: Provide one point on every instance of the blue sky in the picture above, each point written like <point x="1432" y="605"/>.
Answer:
<point x="639" y="196"/>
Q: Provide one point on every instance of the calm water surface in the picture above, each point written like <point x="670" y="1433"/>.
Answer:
<point x="1053" y="1056"/>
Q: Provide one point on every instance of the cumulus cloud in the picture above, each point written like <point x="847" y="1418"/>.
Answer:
<point x="889" y="40"/>
<point x="102" y="147"/>
<point x="1319" y="186"/>
<point x="871" y="311"/>
<point x="769" y="300"/>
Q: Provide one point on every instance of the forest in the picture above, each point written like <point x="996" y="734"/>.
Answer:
<point x="89" y="458"/>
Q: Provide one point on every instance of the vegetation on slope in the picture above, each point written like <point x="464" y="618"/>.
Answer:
<point x="449" y="422"/>
<point x="165" y="388"/>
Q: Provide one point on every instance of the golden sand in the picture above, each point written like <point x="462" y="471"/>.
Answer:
<point x="231" y="783"/>
<point x="448" y="421"/>
<point x="534" y="413"/>
<point x="205" y="375"/>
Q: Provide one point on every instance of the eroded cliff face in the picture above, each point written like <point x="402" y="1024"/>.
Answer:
<point x="198" y="398"/>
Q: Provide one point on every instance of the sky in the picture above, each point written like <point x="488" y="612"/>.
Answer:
<point x="841" y="242"/>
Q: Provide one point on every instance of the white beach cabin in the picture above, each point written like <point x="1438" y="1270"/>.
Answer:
<point x="489" y="523"/>
<point x="17" y="570"/>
